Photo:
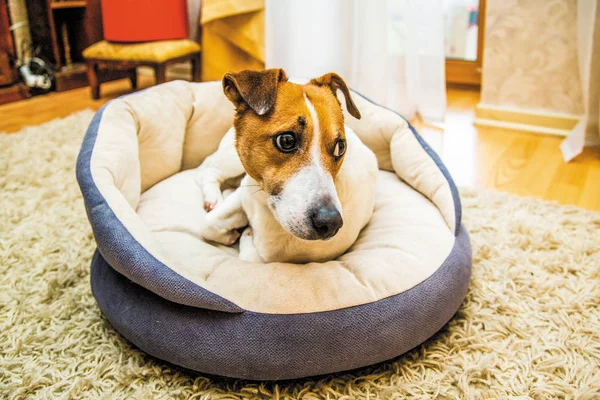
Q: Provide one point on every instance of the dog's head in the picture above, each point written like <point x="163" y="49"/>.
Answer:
<point x="291" y="140"/>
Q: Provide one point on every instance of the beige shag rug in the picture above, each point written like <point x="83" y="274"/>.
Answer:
<point x="530" y="325"/>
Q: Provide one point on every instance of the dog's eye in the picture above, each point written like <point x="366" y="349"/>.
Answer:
<point x="286" y="142"/>
<point x="339" y="149"/>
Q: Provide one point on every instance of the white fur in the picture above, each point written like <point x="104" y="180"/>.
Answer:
<point x="217" y="168"/>
<point x="275" y="222"/>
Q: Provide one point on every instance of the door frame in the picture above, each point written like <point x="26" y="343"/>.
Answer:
<point x="469" y="72"/>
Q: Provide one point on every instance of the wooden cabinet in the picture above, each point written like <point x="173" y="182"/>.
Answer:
<point x="7" y="50"/>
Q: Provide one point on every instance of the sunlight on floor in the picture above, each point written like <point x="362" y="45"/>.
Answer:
<point x="521" y="163"/>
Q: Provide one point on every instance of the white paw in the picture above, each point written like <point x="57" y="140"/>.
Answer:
<point x="219" y="230"/>
<point x="247" y="249"/>
<point x="212" y="195"/>
<point x="223" y="236"/>
<point x="211" y="189"/>
<point x="231" y="237"/>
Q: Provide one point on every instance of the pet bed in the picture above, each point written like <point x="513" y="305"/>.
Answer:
<point x="198" y="306"/>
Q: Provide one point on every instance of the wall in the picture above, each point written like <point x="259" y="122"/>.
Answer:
<point x="530" y="57"/>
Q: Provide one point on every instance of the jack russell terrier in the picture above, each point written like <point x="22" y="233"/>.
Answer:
<point x="309" y="183"/>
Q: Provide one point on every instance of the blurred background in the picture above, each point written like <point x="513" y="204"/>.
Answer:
<point x="506" y="91"/>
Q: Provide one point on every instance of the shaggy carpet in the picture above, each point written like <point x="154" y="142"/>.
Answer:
<point x="530" y="325"/>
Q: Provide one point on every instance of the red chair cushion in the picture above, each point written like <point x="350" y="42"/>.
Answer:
<point x="144" y="20"/>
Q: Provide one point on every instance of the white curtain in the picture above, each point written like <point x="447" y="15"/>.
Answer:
<point x="587" y="131"/>
<point x="391" y="51"/>
<point x="193" y="7"/>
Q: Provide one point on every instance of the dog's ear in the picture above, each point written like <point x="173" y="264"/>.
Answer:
<point x="335" y="82"/>
<point x="256" y="89"/>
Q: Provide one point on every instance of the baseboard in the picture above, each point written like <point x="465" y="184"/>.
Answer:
<point x="546" y="122"/>
<point x="14" y="92"/>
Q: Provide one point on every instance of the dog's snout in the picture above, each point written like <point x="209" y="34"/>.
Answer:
<point x="327" y="221"/>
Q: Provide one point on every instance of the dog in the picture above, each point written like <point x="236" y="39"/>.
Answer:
<point x="309" y="183"/>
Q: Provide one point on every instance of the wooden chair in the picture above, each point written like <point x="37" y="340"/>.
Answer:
<point x="128" y="56"/>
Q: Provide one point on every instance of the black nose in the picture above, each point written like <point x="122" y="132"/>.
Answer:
<point x="327" y="221"/>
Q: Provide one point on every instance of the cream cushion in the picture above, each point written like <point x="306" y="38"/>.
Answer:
<point x="159" y="51"/>
<point x="146" y="145"/>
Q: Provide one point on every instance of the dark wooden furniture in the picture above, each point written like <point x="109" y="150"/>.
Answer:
<point x="10" y="87"/>
<point x="63" y="29"/>
<point x="7" y="49"/>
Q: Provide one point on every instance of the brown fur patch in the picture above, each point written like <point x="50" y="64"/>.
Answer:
<point x="335" y="82"/>
<point x="254" y="89"/>
<point x="255" y="134"/>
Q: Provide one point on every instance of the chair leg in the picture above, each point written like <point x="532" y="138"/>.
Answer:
<point x="196" y="67"/>
<point x="133" y="78"/>
<point x="160" y="71"/>
<point x="92" y="74"/>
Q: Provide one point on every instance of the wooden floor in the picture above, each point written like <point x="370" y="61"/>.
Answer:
<point x="516" y="162"/>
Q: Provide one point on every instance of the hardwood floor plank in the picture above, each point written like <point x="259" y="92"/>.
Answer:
<point x="40" y="109"/>
<point x="567" y="184"/>
<point x="590" y="194"/>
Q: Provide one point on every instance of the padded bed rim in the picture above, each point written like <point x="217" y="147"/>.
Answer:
<point x="435" y="157"/>
<point x="119" y="248"/>
<point x="260" y="346"/>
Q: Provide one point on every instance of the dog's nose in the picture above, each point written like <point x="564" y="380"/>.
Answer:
<point x="327" y="221"/>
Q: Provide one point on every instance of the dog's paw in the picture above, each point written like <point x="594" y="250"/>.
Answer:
<point x="222" y="236"/>
<point x="211" y="190"/>
<point x="248" y="251"/>
<point x="220" y="230"/>
<point x="212" y="195"/>
<point x="231" y="237"/>
<point x="213" y="199"/>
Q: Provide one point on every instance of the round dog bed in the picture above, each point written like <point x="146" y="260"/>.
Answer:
<point x="198" y="306"/>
